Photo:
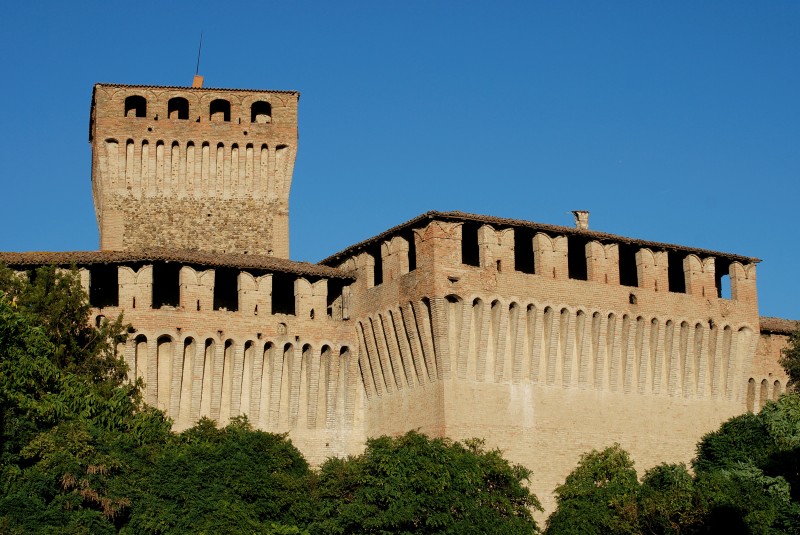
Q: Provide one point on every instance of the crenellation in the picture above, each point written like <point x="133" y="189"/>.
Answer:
<point x="135" y="287"/>
<point x="438" y="244"/>
<point x="255" y="293"/>
<point x="394" y="255"/>
<point x="311" y="298"/>
<point x="196" y="289"/>
<point x="85" y="278"/>
<point x="550" y="256"/>
<point x="700" y="276"/>
<point x="602" y="262"/>
<point x="496" y="248"/>
<point x="743" y="282"/>
<point x="652" y="270"/>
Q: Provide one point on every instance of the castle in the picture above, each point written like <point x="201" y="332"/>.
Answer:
<point x="547" y="341"/>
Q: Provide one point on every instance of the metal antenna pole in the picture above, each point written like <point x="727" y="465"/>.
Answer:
<point x="199" y="48"/>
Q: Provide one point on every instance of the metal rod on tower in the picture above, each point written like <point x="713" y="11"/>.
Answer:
<point x="198" y="80"/>
<point x="199" y="48"/>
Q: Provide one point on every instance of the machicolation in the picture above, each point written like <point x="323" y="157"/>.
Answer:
<point x="545" y="340"/>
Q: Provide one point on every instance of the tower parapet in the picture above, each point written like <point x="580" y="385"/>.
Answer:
<point x="192" y="168"/>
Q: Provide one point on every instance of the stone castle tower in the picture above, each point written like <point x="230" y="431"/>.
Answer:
<point x="192" y="168"/>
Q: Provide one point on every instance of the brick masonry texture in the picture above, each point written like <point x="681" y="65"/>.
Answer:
<point x="546" y="341"/>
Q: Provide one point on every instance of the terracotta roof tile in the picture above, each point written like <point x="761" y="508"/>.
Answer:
<point x="132" y="86"/>
<point x="778" y="325"/>
<point x="243" y="261"/>
<point x="543" y="227"/>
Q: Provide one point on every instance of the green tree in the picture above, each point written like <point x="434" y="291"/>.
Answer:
<point x="668" y="501"/>
<point x="67" y="416"/>
<point x="599" y="496"/>
<point x="414" y="484"/>
<point x="748" y="471"/>
<point x="742" y="439"/>
<point x="790" y="359"/>
<point x="229" y="480"/>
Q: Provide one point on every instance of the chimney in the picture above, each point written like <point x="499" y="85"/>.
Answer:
<point x="198" y="81"/>
<point x="581" y="219"/>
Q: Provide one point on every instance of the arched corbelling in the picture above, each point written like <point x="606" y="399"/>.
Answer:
<point x="750" y="400"/>
<point x="189" y="335"/>
<point x="764" y="393"/>
<point x="776" y="390"/>
<point x="741" y="327"/>
<point x="453" y="298"/>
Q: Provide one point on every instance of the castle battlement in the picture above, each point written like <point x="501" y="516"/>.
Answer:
<point x="547" y="341"/>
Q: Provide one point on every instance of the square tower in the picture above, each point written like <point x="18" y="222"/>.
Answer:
<point x="193" y="168"/>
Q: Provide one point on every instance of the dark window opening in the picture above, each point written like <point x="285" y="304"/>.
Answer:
<point x="412" y="249"/>
<point x="103" y="286"/>
<point x="283" y="293"/>
<point x="470" y="254"/>
<point x="178" y="108"/>
<point x="677" y="279"/>
<point x="576" y="258"/>
<point x="335" y="289"/>
<point x="377" y="272"/>
<point x="722" y="278"/>
<point x="523" y="250"/>
<point x="261" y="112"/>
<point x="220" y="110"/>
<point x="226" y="289"/>
<point x="166" y="284"/>
<point x="135" y="106"/>
<point x="628" y="274"/>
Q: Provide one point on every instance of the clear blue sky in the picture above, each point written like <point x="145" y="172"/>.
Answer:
<point x="670" y="121"/>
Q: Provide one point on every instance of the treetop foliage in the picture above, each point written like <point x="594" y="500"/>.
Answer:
<point x="414" y="484"/>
